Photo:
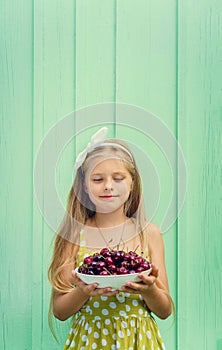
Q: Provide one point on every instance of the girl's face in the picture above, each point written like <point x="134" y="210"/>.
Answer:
<point x="108" y="184"/>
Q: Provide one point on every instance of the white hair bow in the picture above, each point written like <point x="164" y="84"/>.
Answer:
<point x="95" y="141"/>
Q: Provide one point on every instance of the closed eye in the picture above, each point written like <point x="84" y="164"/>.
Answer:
<point x="97" y="180"/>
<point x="118" y="179"/>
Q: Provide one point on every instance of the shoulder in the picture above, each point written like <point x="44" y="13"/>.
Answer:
<point x="153" y="231"/>
<point x="155" y="239"/>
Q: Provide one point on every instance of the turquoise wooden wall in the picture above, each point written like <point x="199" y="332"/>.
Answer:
<point x="161" y="56"/>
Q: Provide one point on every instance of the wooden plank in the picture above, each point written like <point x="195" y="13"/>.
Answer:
<point x="200" y="136"/>
<point x="146" y="78"/>
<point x="16" y="174"/>
<point x="54" y="99"/>
<point x="95" y="82"/>
<point x="95" y="45"/>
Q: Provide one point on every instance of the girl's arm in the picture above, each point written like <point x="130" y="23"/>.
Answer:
<point x="67" y="304"/>
<point x="154" y="289"/>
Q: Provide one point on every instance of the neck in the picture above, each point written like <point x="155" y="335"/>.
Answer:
<point x="104" y="220"/>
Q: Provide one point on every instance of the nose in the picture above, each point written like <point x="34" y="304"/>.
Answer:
<point x="108" y="186"/>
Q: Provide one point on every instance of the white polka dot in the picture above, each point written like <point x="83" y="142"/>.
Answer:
<point x="114" y="325"/>
<point x="143" y="348"/>
<point x="107" y="321"/>
<point x="105" y="312"/>
<point x="148" y="334"/>
<point x="103" y="298"/>
<point x="117" y="344"/>
<point x="90" y="330"/>
<point x="130" y="348"/>
<point x="140" y="311"/>
<point x="70" y="332"/>
<point x="88" y="309"/>
<point x="113" y="347"/>
<point x="135" y="302"/>
<point x="121" y="334"/>
<point x="104" y="342"/>
<point x="128" y="332"/>
<point x="112" y="305"/>
<point x="96" y="335"/>
<point x="114" y="336"/>
<point x="96" y="304"/>
<point x="73" y="344"/>
<point x="84" y="338"/>
<point x="87" y="342"/>
<point x="128" y="308"/>
<point x="127" y="295"/>
<point x="105" y="331"/>
<point x="97" y="318"/>
<point x="124" y="324"/>
<point x="140" y="336"/>
<point x="94" y="346"/>
<point x="86" y="326"/>
<point x="82" y="348"/>
<point x="122" y="313"/>
<point x="163" y="346"/>
<point x="67" y="342"/>
<point x="98" y="325"/>
<point x="132" y="323"/>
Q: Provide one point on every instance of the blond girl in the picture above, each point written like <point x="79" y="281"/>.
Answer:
<point x="105" y="210"/>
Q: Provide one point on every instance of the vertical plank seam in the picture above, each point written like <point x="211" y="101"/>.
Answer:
<point x="177" y="174"/>
<point x="115" y="62"/>
<point x="43" y="167"/>
<point x="32" y="163"/>
<point x="74" y="75"/>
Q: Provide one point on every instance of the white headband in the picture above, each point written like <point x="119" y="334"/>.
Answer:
<point x="96" y="141"/>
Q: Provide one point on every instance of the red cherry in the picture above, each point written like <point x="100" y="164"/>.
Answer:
<point x="104" y="273"/>
<point x="108" y="260"/>
<point x="112" y="268"/>
<point x="88" y="259"/>
<point x="122" y="271"/>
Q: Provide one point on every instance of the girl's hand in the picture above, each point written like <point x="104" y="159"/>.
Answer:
<point x="91" y="289"/>
<point x="146" y="284"/>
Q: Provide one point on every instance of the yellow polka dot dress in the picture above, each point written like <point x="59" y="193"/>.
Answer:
<point x="117" y="322"/>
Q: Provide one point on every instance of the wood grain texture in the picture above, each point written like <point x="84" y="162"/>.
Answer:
<point x="161" y="56"/>
<point x="200" y="136"/>
<point x="16" y="174"/>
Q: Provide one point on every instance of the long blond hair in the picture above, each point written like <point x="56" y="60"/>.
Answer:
<point x="80" y="208"/>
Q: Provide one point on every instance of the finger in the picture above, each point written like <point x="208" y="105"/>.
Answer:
<point x="155" y="270"/>
<point x="148" y="280"/>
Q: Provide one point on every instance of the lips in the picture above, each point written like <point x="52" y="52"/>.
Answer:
<point x="108" y="196"/>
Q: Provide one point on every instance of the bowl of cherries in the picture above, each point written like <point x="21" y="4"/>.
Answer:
<point x="113" y="268"/>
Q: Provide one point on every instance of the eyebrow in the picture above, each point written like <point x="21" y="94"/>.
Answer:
<point x="114" y="173"/>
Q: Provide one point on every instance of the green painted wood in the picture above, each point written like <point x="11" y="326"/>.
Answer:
<point x="16" y="175"/>
<point x="54" y="99"/>
<point x="60" y="56"/>
<point x="200" y="136"/>
<point x="146" y="77"/>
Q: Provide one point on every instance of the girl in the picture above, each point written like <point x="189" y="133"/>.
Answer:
<point x="105" y="210"/>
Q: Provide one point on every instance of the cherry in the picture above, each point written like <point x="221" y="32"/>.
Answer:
<point x="122" y="271"/>
<point x="88" y="259"/>
<point x="104" y="273"/>
<point x="113" y="262"/>
<point x="108" y="260"/>
<point x="112" y="268"/>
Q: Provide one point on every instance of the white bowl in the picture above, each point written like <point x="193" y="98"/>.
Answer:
<point x="113" y="281"/>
